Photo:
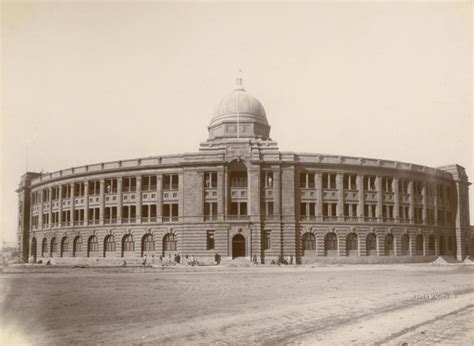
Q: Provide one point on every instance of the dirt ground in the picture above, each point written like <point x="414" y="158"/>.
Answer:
<point x="324" y="305"/>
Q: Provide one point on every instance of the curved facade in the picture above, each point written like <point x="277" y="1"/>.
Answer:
<point x="239" y="196"/>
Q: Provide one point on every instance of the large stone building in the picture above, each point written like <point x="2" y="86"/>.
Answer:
<point x="240" y="196"/>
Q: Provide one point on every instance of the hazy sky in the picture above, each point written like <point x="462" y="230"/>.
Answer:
<point x="93" y="82"/>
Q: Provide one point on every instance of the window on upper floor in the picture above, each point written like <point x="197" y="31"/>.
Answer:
<point x="330" y="209"/>
<point x="110" y="185"/>
<point x="170" y="182"/>
<point x="66" y="191"/>
<point x="387" y="184"/>
<point x="350" y="182"/>
<point x="387" y="211"/>
<point x="307" y="209"/>
<point x="210" y="180"/>
<point x="238" y="208"/>
<point x="268" y="179"/>
<point x="129" y="184"/>
<point x="210" y="210"/>
<point x="369" y="183"/>
<point x="238" y="179"/>
<point x="46" y="195"/>
<point x="268" y="208"/>
<point x="370" y="210"/>
<point x="149" y="183"/>
<point x="403" y="186"/>
<point x="55" y="193"/>
<point x="329" y="181"/>
<point x="417" y="187"/>
<point x="170" y="212"/>
<point x="307" y="180"/>
<point x="350" y="210"/>
<point x="78" y="189"/>
<point x="94" y="188"/>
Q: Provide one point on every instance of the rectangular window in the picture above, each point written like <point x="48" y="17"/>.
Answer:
<point x="369" y="183"/>
<point x="370" y="211"/>
<point x="210" y="210"/>
<point x="149" y="183"/>
<point x="46" y="195"/>
<point x="170" y="212"/>
<point x="350" y="182"/>
<point x="110" y="186"/>
<point x="55" y="192"/>
<point x="94" y="188"/>
<point x="329" y="181"/>
<point x="78" y="189"/>
<point x="440" y="191"/>
<point x="307" y="180"/>
<point x="46" y="219"/>
<point x="210" y="240"/>
<point x="269" y="208"/>
<point x="268" y="177"/>
<point x="350" y="210"/>
<point x="387" y="211"/>
<point x="129" y="184"/>
<point x="210" y="180"/>
<point x="417" y="187"/>
<point x="387" y="184"/>
<point x="66" y="191"/>
<point x="267" y="240"/>
<point x="170" y="182"/>
<point x="403" y="186"/>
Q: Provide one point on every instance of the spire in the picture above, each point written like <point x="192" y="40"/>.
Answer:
<point x="239" y="80"/>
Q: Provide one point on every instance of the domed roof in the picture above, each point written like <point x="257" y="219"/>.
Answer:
<point x="240" y="115"/>
<point x="239" y="101"/>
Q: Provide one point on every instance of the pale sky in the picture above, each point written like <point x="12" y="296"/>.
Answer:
<point x="85" y="83"/>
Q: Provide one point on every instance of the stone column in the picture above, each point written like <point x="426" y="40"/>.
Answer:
<point x="101" y="202"/>
<point x="60" y="205"/>
<point x="139" y="198"/>
<point x="380" y="241"/>
<point x="411" y="198"/>
<point x="397" y="244"/>
<point x="360" y="204"/>
<point x="412" y="248"/>
<point x="72" y="204"/>
<point x="86" y="203"/>
<point x="50" y="213"/>
<point x="119" y="200"/>
<point x="340" y="199"/>
<point x="319" y="196"/>
<point x="378" y="187"/>
<point x="436" y="205"/>
<point x="424" y="194"/>
<point x="396" y="199"/>
<point x="159" y="195"/>
<point x="40" y="218"/>
<point x="276" y="191"/>
<point x="436" y="249"/>
<point x="361" y="244"/>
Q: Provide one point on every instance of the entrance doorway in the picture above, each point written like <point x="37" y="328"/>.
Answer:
<point x="238" y="246"/>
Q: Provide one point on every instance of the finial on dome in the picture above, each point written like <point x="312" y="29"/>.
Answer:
<point x="239" y="80"/>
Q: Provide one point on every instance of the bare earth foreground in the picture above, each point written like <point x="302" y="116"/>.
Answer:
<point x="333" y="304"/>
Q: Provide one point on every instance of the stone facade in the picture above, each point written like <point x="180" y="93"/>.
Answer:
<point x="240" y="196"/>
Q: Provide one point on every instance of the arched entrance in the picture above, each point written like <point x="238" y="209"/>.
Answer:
<point x="238" y="246"/>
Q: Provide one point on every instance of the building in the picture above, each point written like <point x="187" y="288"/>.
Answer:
<point x="240" y="196"/>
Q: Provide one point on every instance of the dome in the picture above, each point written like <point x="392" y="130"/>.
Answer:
<point x="241" y="115"/>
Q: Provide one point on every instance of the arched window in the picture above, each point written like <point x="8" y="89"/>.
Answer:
<point x="431" y="243"/>
<point x="330" y="242"/>
<point x="169" y="242"/>
<point x="351" y="242"/>
<point x="54" y="247"/>
<point x="309" y="241"/>
<point x="76" y="246"/>
<point x="148" y="243"/>
<point x="405" y="244"/>
<point x="92" y="245"/>
<point x="389" y="244"/>
<point x="109" y="243"/>
<point x="44" y="248"/>
<point x="371" y="244"/>
<point x="64" y="246"/>
<point x="127" y="243"/>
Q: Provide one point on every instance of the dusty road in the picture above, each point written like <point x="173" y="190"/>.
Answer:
<point x="352" y="304"/>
